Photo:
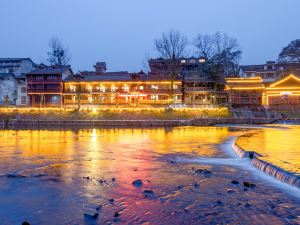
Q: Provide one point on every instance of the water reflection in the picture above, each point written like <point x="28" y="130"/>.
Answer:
<point x="278" y="146"/>
<point x="67" y="169"/>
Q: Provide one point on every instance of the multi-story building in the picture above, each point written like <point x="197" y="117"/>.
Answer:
<point x="283" y="94"/>
<point x="45" y="85"/>
<point x="271" y="71"/>
<point x="120" y="88"/>
<point x="13" y="80"/>
<point x="16" y="66"/>
<point x="200" y="86"/>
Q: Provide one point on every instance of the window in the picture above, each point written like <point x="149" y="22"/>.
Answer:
<point x="154" y="97"/>
<point x="102" y="88"/>
<point x="23" y="100"/>
<point x="154" y="87"/>
<point x="23" y="89"/>
<point x="113" y="88"/>
<point x="125" y="88"/>
<point x="141" y="87"/>
<point x="182" y="61"/>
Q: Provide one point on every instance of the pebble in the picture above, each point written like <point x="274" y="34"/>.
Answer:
<point x="137" y="183"/>
<point x="25" y="223"/>
<point x="249" y="185"/>
<point x="113" y="179"/>
<point x="117" y="214"/>
<point x="235" y="182"/>
<point x="231" y="191"/>
<point x="91" y="213"/>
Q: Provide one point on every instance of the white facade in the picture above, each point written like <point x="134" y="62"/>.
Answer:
<point x="8" y="89"/>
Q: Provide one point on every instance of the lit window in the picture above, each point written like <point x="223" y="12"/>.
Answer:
<point x="202" y="60"/>
<point x="125" y="88"/>
<point x="183" y="61"/>
<point x="154" y="97"/>
<point x="102" y="88"/>
<point x="113" y="88"/>
<point x="141" y="87"/>
<point x="175" y="86"/>
<point x="154" y="87"/>
<point x="90" y="99"/>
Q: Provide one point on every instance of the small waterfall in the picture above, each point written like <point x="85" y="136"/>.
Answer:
<point x="266" y="167"/>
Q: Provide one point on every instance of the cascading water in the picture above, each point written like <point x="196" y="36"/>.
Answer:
<point x="266" y="167"/>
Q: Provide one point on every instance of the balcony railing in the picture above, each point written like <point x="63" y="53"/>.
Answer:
<point x="53" y="90"/>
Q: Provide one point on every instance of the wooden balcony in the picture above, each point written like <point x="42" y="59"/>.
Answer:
<point x="44" y="91"/>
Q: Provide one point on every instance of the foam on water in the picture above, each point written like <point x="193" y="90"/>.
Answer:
<point x="250" y="161"/>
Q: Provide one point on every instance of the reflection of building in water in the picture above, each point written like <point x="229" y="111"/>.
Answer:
<point x="283" y="94"/>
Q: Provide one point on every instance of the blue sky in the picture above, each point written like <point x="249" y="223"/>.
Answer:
<point x="121" y="32"/>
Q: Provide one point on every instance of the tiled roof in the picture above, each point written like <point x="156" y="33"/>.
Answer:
<point x="118" y="77"/>
<point x="3" y="75"/>
<point x="50" y="70"/>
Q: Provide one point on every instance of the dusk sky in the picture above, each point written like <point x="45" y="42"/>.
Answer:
<point x="121" y="33"/>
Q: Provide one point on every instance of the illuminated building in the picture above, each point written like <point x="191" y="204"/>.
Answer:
<point x="284" y="94"/>
<point x="270" y="71"/>
<point x="45" y="85"/>
<point x="120" y="88"/>
<point x="199" y="87"/>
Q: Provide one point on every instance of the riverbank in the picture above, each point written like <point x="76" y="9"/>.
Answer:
<point x="11" y="123"/>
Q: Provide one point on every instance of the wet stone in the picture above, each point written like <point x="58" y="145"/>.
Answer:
<point x="249" y="185"/>
<point x="25" y="223"/>
<point x="148" y="193"/>
<point x="90" y="213"/>
<point x="117" y="214"/>
<point x="235" y="182"/>
<point x="137" y="183"/>
<point x="13" y="175"/>
<point x="111" y="200"/>
<point x="113" y="179"/>
<point x="231" y="191"/>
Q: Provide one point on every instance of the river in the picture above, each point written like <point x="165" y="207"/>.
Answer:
<point x="57" y="176"/>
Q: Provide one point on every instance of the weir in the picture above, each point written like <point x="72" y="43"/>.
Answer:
<point x="268" y="168"/>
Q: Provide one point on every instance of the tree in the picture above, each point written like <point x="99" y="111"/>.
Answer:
<point x="58" y="54"/>
<point x="290" y="53"/>
<point x="171" y="47"/>
<point x="219" y="49"/>
<point x="222" y="54"/>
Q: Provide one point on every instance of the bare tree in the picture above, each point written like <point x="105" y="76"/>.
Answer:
<point x="58" y="54"/>
<point x="171" y="47"/>
<point x="222" y="54"/>
<point x="219" y="49"/>
<point x="290" y="53"/>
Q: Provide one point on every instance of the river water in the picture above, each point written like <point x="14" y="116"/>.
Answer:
<point x="56" y="176"/>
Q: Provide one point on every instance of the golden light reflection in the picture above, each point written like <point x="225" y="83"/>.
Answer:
<point x="279" y="146"/>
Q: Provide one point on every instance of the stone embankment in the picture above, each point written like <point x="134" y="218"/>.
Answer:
<point x="131" y="123"/>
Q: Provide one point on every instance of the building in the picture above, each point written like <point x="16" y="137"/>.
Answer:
<point x="282" y="95"/>
<point x="200" y="87"/>
<point x="8" y="89"/>
<point x="16" y="66"/>
<point x="45" y="85"/>
<point x="120" y="88"/>
<point x="13" y="80"/>
<point x="271" y="71"/>
<point x="245" y="92"/>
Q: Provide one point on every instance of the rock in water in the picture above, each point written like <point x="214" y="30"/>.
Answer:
<point x="25" y="223"/>
<point x="249" y="185"/>
<point x="148" y="193"/>
<point x="137" y="183"/>
<point x="234" y="182"/>
<point x="90" y="213"/>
